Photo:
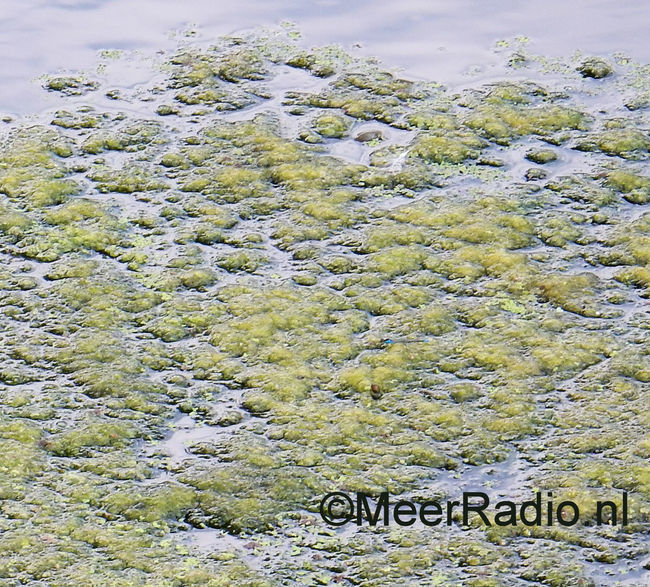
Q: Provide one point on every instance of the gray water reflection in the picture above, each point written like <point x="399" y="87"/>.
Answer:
<point x="436" y="39"/>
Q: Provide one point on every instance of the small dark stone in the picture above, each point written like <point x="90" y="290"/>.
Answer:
<point x="375" y="392"/>
<point x="369" y="135"/>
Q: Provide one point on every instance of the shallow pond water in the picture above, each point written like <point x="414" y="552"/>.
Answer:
<point x="438" y="40"/>
<point x="241" y="272"/>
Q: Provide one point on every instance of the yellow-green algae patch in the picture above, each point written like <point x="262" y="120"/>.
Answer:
<point x="209" y="322"/>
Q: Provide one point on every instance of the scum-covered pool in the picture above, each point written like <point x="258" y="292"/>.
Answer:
<point x="208" y="242"/>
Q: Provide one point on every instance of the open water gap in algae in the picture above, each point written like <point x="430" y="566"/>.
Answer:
<point x="274" y="272"/>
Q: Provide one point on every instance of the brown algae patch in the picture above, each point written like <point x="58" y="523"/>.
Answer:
<point x="333" y="324"/>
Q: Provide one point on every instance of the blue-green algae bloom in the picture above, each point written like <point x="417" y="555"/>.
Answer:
<point x="213" y="313"/>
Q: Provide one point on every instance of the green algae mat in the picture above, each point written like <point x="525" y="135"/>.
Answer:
<point x="274" y="273"/>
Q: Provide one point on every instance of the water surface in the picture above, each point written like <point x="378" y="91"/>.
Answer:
<point x="441" y="40"/>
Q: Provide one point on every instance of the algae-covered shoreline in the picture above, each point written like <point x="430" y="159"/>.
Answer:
<point x="199" y="279"/>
